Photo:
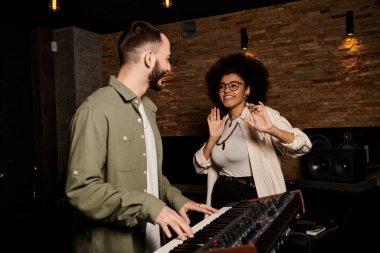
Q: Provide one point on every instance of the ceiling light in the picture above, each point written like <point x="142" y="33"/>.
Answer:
<point x="54" y="5"/>
<point x="167" y="3"/>
<point x="350" y="23"/>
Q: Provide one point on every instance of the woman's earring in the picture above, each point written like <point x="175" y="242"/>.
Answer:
<point x="246" y="98"/>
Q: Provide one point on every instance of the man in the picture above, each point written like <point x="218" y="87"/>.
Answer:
<point x="115" y="177"/>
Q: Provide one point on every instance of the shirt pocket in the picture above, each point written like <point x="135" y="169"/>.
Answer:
<point x="126" y="153"/>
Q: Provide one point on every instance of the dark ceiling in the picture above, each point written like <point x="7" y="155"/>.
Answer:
<point x="110" y="16"/>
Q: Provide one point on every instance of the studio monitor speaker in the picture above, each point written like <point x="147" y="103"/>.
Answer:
<point x="341" y="154"/>
<point x="337" y="165"/>
<point x="348" y="138"/>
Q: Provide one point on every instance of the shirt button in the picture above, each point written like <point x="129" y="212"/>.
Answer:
<point x="144" y="190"/>
<point x="144" y="154"/>
<point x="139" y="120"/>
<point x="125" y="138"/>
<point x="142" y="136"/>
<point x="75" y="172"/>
<point x="136" y="101"/>
<point x="144" y="172"/>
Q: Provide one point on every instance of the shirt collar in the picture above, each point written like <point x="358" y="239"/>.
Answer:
<point x="128" y="95"/>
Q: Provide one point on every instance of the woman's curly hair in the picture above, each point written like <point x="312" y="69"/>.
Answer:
<point x="251" y="70"/>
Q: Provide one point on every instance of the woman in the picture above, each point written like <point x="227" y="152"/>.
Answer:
<point x="245" y="146"/>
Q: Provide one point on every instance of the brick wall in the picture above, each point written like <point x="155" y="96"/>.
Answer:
<point x="319" y="76"/>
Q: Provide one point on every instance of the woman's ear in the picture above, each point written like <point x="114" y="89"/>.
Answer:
<point x="149" y="59"/>
<point x="247" y="92"/>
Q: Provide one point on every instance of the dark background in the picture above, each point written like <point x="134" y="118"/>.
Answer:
<point x="30" y="223"/>
<point x="114" y="15"/>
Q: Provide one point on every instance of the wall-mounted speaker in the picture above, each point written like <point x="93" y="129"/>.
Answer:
<point x="341" y="154"/>
<point x="188" y="29"/>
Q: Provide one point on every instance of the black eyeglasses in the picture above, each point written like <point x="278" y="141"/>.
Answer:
<point x="234" y="85"/>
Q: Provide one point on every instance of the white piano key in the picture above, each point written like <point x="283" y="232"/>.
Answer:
<point x="175" y="242"/>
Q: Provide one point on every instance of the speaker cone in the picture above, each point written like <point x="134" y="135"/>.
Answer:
<point x="320" y="141"/>
<point x="319" y="166"/>
<point x="342" y="168"/>
<point x="350" y="145"/>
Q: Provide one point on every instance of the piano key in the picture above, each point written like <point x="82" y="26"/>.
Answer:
<point x="247" y="226"/>
<point x="197" y="227"/>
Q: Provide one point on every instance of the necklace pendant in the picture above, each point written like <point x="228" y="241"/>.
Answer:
<point x="229" y="135"/>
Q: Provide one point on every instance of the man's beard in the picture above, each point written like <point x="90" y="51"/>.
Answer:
<point x="155" y="76"/>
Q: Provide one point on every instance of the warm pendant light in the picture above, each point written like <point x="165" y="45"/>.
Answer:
<point x="167" y="3"/>
<point x="244" y="38"/>
<point x="54" y="5"/>
<point x="350" y="23"/>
